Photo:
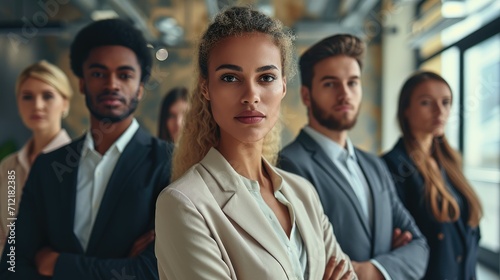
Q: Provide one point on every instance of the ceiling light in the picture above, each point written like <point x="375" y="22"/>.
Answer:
<point x="161" y="54"/>
<point x="103" y="14"/>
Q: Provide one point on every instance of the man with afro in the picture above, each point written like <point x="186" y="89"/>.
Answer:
<point x="87" y="210"/>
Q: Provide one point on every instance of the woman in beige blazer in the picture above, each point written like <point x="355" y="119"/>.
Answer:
<point x="42" y="93"/>
<point x="230" y="214"/>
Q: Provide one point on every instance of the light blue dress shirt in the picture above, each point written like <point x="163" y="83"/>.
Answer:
<point x="346" y="161"/>
<point x="294" y="246"/>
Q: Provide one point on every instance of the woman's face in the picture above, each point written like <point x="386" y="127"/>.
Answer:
<point x="245" y="86"/>
<point x="430" y="105"/>
<point x="175" y="118"/>
<point x="40" y="105"/>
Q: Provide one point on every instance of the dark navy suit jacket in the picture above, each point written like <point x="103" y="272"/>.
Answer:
<point x="453" y="246"/>
<point x="47" y="212"/>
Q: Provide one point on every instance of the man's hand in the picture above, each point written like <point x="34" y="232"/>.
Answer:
<point x="400" y="238"/>
<point x="45" y="261"/>
<point x="366" y="270"/>
<point x="141" y="243"/>
<point x="333" y="270"/>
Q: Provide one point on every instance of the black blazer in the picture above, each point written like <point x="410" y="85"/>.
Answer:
<point x="453" y="246"/>
<point x="46" y="214"/>
<point x="358" y="240"/>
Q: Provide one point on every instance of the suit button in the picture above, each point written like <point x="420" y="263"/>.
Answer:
<point x="459" y="258"/>
<point x="440" y="236"/>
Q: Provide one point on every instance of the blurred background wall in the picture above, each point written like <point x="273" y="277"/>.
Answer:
<point x="34" y="30"/>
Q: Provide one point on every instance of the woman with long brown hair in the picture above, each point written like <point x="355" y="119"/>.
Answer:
<point x="428" y="174"/>
<point x="172" y="111"/>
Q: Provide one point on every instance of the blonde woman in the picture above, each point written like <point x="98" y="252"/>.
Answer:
<point x="42" y="93"/>
<point x="429" y="179"/>
<point x="231" y="214"/>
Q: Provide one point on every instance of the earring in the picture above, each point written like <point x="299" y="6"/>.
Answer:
<point x="65" y="114"/>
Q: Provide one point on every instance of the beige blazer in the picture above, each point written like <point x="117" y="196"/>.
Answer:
<point x="208" y="226"/>
<point x="18" y="163"/>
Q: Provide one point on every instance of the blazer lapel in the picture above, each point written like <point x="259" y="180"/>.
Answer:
<point x="374" y="183"/>
<point x="131" y="158"/>
<point x="323" y="161"/>
<point x="256" y="225"/>
<point x="68" y="181"/>
<point x="232" y="197"/>
<point x="461" y="227"/>
<point x="304" y="226"/>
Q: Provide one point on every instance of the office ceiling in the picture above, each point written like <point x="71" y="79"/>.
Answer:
<point x="177" y="23"/>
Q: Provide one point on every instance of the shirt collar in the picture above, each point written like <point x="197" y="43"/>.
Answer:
<point x="120" y="143"/>
<point x="350" y="149"/>
<point x="22" y="156"/>
<point x="215" y="157"/>
<point x="331" y="148"/>
<point x="276" y="179"/>
<point x="59" y="140"/>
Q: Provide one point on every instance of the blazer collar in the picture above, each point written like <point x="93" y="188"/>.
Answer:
<point x="376" y="182"/>
<point x="331" y="148"/>
<point x="323" y="161"/>
<point x="237" y="203"/>
<point x="60" y="139"/>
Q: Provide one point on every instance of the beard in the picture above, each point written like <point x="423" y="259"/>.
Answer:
<point x="329" y="120"/>
<point x="111" y="118"/>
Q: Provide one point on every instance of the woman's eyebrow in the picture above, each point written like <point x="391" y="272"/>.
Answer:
<point x="230" y="67"/>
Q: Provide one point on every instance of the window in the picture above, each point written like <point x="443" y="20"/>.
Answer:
<point x="481" y="109"/>
<point x="471" y="65"/>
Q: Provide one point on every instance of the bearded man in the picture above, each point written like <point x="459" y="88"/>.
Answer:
<point x="87" y="209"/>
<point x="355" y="188"/>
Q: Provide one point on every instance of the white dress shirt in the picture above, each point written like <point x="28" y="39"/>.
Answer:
<point x="94" y="171"/>
<point x="345" y="160"/>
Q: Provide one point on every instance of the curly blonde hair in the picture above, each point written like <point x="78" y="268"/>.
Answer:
<point x="201" y="132"/>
